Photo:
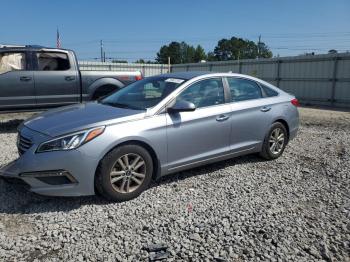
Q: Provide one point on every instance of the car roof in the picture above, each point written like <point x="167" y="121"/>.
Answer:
<point x="186" y="75"/>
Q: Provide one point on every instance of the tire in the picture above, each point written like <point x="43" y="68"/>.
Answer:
<point x="268" y="151"/>
<point x="113" y="171"/>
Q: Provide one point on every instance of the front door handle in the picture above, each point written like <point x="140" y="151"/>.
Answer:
<point x="222" y="118"/>
<point x="25" y="78"/>
<point x="265" y="109"/>
<point x="69" y="78"/>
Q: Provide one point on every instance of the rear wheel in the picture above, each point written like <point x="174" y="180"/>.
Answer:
<point x="275" y="141"/>
<point x="103" y="91"/>
<point x="124" y="173"/>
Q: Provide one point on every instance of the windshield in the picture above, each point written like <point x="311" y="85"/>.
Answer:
<point x="143" y="94"/>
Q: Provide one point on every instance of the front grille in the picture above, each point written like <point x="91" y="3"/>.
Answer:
<point x="23" y="144"/>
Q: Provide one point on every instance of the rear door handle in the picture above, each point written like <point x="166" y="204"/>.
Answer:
<point x="25" y="78"/>
<point x="222" y="118"/>
<point x="265" y="109"/>
<point x="69" y="78"/>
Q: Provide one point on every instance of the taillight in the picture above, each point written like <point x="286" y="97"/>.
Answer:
<point x="295" y="102"/>
<point x="139" y="77"/>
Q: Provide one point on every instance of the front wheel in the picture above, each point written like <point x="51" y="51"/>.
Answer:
<point x="124" y="173"/>
<point x="275" y="142"/>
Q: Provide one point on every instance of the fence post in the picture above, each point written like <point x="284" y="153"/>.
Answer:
<point x="240" y="67"/>
<point x="278" y="73"/>
<point x="334" y="79"/>
<point x="210" y="67"/>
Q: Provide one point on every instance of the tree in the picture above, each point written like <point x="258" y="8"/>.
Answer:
<point x="211" y="56"/>
<point x="173" y="50"/>
<point x="140" y="61"/>
<point x="180" y="53"/>
<point x="119" y="61"/>
<point x="187" y="53"/>
<point x="264" y="51"/>
<point x="238" y="48"/>
<point x="199" y="54"/>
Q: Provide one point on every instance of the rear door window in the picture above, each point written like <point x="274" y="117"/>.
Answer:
<point x="12" y="61"/>
<point x="243" y="89"/>
<point x="52" y="61"/>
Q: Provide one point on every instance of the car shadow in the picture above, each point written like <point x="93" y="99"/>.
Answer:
<point x="16" y="199"/>
<point x="10" y="126"/>
<point x="205" y="169"/>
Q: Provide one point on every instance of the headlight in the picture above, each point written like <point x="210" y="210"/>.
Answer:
<point x="70" y="141"/>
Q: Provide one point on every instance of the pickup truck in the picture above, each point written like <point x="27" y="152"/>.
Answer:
<point x="33" y="77"/>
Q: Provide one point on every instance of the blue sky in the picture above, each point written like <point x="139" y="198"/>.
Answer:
<point x="136" y="29"/>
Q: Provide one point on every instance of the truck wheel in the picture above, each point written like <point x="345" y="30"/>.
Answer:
<point x="124" y="173"/>
<point x="104" y="91"/>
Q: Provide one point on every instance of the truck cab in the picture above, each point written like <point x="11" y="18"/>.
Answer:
<point x="37" y="77"/>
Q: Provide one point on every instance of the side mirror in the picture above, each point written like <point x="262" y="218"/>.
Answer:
<point x="181" y="106"/>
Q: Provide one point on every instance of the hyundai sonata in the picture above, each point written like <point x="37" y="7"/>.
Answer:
<point x="151" y="128"/>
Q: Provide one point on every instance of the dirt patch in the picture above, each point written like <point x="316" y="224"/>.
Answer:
<point x="15" y="225"/>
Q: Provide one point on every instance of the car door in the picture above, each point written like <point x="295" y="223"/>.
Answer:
<point x="16" y="81"/>
<point x="56" y="78"/>
<point x="196" y="136"/>
<point x="251" y="114"/>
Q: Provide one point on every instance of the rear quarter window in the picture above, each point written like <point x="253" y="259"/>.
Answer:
<point x="269" y="92"/>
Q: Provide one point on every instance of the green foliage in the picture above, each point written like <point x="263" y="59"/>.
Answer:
<point x="119" y="61"/>
<point x="180" y="53"/>
<point x="142" y="61"/>
<point x="173" y="50"/>
<point x="199" y="54"/>
<point x="238" y="48"/>
<point x="226" y="49"/>
<point x="264" y="51"/>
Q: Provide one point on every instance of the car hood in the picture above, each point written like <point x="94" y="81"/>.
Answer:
<point x="73" y="118"/>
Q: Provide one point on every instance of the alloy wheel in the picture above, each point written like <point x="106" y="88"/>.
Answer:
<point x="276" y="141"/>
<point x="128" y="173"/>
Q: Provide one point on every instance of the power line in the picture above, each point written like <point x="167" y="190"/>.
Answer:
<point x="301" y="36"/>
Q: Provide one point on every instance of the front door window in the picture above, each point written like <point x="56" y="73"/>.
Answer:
<point x="209" y="92"/>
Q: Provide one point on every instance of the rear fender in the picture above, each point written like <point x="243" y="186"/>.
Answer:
<point x="102" y="82"/>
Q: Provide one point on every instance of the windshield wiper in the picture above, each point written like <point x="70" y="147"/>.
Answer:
<point x="121" y="105"/>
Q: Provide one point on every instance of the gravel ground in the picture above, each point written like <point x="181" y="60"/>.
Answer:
<point x="294" y="208"/>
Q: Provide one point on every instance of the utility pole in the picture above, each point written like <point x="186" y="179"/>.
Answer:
<point x="259" y="46"/>
<point x="168" y="64"/>
<point x="104" y="56"/>
<point x="101" y="45"/>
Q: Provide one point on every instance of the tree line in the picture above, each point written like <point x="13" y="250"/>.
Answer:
<point x="226" y="49"/>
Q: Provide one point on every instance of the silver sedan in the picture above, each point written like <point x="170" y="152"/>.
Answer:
<point x="151" y="128"/>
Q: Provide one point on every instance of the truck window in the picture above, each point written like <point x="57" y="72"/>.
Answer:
<point x="12" y="62"/>
<point x="52" y="61"/>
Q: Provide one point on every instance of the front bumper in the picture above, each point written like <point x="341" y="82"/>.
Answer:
<point x="32" y="168"/>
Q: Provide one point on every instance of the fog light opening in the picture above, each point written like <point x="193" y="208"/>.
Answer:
<point x="54" y="177"/>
